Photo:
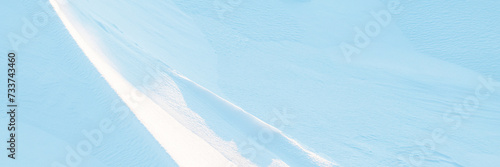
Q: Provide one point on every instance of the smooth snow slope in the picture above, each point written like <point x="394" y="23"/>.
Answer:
<point x="178" y="141"/>
<point x="117" y="52"/>
<point x="265" y="55"/>
<point x="377" y="110"/>
<point x="397" y="103"/>
<point x="61" y="95"/>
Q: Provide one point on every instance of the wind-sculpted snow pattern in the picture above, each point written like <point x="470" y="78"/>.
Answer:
<point x="259" y="83"/>
<point x="181" y="131"/>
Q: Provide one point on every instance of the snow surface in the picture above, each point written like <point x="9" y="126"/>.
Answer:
<point x="258" y="83"/>
<point x="179" y="142"/>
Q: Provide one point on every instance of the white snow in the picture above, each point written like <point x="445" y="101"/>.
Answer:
<point x="255" y="83"/>
<point x="182" y="144"/>
<point x="190" y="143"/>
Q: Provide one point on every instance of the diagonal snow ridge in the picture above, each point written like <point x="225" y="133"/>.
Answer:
<point x="178" y="141"/>
<point x="181" y="131"/>
<point x="248" y="123"/>
<point x="285" y="149"/>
